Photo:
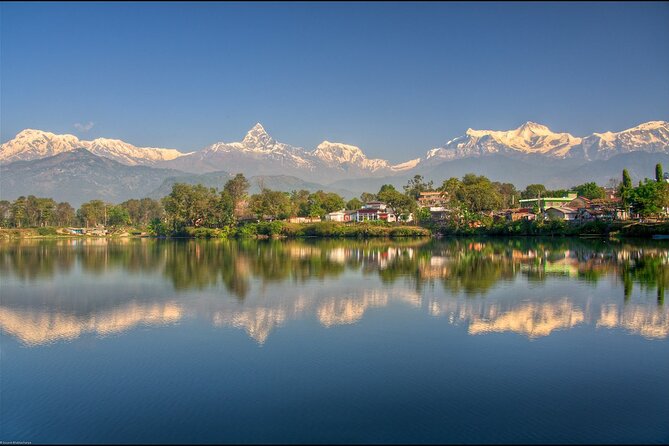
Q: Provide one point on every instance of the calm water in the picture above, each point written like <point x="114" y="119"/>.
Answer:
<point x="457" y="341"/>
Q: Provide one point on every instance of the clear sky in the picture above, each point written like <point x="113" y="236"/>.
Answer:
<point x="395" y="79"/>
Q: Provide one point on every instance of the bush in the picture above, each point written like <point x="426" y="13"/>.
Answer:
<point x="205" y="232"/>
<point x="47" y="231"/>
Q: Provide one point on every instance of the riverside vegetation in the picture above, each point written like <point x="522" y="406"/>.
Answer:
<point x="201" y="212"/>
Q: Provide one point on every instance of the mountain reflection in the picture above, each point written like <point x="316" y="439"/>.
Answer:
<point x="533" y="287"/>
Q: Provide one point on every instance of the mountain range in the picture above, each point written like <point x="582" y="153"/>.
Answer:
<point x="65" y="166"/>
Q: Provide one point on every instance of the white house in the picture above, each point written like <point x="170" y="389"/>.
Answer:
<point x="337" y="216"/>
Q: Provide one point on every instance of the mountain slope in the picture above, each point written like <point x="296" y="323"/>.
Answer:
<point x="35" y="144"/>
<point x="78" y="176"/>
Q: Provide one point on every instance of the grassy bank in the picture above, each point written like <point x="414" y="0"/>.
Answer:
<point x="280" y="229"/>
<point x="557" y="228"/>
<point x="329" y="229"/>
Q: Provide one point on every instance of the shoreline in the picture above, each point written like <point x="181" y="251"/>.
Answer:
<point x="262" y="231"/>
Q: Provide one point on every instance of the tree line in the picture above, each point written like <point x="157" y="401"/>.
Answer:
<point x="199" y="206"/>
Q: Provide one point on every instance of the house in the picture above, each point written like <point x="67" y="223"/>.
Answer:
<point x="561" y="213"/>
<point x="545" y="202"/>
<point x="378" y="205"/>
<point x="340" y="216"/>
<point x="432" y="199"/>
<point x="520" y="214"/>
<point x="367" y="214"/>
<point x="579" y="203"/>
<point x="304" y="219"/>
<point x="591" y="214"/>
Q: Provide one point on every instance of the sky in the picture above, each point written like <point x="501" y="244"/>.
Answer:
<point x="395" y="79"/>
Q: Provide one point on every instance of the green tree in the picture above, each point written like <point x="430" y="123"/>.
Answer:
<point x="479" y="194"/>
<point x="143" y="211"/>
<point x="534" y="191"/>
<point x="92" y="213"/>
<point x="590" y="191"/>
<point x="270" y="204"/>
<point x="237" y="188"/>
<point x="192" y="205"/>
<point x="659" y="174"/>
<point x="416" y="185"/>
<point x="366" y="197"/>
<point x="117" y="216"/>
<point x="625" y="189"/>
<point x="5" y="213"/>
<point x="508" y="193"/>
<point x="299" y="200"/>
<point x="64" y="214"/>
<point x="353" y="204"/>
<point x="18" y="212"/>
<point x="650" y="198"/>
<point x="402" y="204"/>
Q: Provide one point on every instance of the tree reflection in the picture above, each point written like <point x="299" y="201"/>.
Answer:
<point x="472" y="266"/>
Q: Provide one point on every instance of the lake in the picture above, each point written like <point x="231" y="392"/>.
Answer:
<point x="507" y="340"/>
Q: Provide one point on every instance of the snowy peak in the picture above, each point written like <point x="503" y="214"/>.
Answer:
<point x="258" y="137"/>
<point x="530" y="138"/>
<point x="32" y="144"/>
<point x="533" y="128"/>
<point x="651" y="137"/>
<point x="337" y="154"/>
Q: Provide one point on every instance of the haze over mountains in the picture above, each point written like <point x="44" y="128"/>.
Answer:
<point x="46" y="164"/>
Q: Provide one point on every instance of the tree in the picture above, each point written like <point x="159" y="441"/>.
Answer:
<point x="453" y="189"/>
<point x="299" y="200"/>
<point x="143" y="211"/>
<point x="534" y="191"/>
<point x="508" y="193"/>
<point x="590" y="191"/>
<point x="659" y="174"/>
<point x="197" y="205"/>
<point x="627" y="180"/>
<point x="237" y="188"/>
<point x="416" y="185"/>
<point x="402" y="204"/>
<point x="5" y="213"/>
<point x="270" y="204"/>
<point x="366" y="197"/>
<point x="626" y="189"/>
<point x="92" y="213"/>
<point x="117" y="216"/>
<point x="353" y="204"/>
<point x="64" y="214"/>
<point x="18" y="212"/>
<point x="650" y="198"/>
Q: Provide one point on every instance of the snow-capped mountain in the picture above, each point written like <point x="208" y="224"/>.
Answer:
<point x="536" y="139"/>
<point x="651" y="137"/>
<point x="339" y="155"/>
<point x="33" y="144"/>
<point x="528" y="139"/>
<point x="260" y="154"/>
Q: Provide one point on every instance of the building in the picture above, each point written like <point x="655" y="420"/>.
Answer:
<point x="432" y="200"/>
<point x="546" y="202"/>
<point x="579" y="203"/>
<point x="520" y="214"/>
<point x="340" y="216"/>
<point x="378" y="205"/>
<point x="303" y="219"/>
<point x="561" y="213"/>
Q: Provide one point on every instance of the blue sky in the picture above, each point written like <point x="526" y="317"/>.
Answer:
<point x="395" y="79"/>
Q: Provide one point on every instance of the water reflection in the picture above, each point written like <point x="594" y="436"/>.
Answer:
<point x="61" y="290"/>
